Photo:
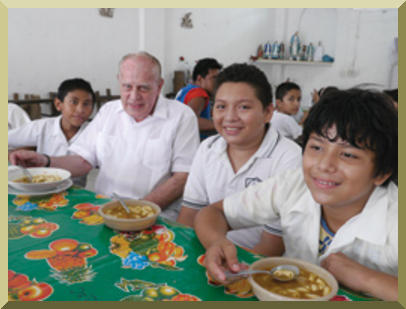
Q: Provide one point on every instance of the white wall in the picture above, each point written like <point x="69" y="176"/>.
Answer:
<point x="229" y="35"/>
<point x="49" y="45"/>
<point x="46" y="46"/>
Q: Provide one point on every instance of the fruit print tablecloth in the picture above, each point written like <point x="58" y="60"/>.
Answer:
<point x="59" y="249"/>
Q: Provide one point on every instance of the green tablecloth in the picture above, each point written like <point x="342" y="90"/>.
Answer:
<point x="59" y="249"/>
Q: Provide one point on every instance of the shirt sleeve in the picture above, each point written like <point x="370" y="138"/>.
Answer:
<point x="195" y="195"/>
<point x="25" y="136"/>
<point x="259" y="204"/>
<point x="186" y="142"/>
<point x="196" y="93"/>
<point x="17" y="117"/>
<point x="86" y="144"/>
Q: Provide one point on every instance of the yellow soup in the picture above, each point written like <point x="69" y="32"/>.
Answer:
<point x="306" y="286"/>
<point x="39" y="179"/>
<point x="136" y="211"/>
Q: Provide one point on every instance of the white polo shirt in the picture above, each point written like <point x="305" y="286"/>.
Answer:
<point x="371" y="237"/>
<point x="286" y="125"/>
<point x="212" y="177"/>
<point x="16" y="116"/>
<point x="46" y="134"/>
<point x="135" y="157"/>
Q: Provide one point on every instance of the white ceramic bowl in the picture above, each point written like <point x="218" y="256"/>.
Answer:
<point x="266" y="263"/>
<point x="123" y="224"/>
<point x="15" y="173"/>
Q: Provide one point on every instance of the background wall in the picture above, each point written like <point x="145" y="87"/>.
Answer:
<point x="49" y="45"/>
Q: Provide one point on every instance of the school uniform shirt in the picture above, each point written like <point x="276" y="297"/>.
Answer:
<point x="16" y="116"/>
<point x="370" y="238"/>
<point x="212" y="177"/>
<point x="286" y="125"/>
<point x="47" y="136"/>
<point x="135" y="157"/>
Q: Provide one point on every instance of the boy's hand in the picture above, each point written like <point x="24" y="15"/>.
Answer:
<point x="27" y="158"/>
<point x="220" y="256"/>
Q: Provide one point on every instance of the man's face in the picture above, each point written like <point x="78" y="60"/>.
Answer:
<point x="290" y="102"/>
<point x="140" y="85"/>
<point x="208" y="82"/>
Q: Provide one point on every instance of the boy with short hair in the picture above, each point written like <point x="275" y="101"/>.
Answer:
<point x="52" y="136"/>
<point x="288" y="96"/>
<point x="197" y="94"/>
<point x="339" y="210"/>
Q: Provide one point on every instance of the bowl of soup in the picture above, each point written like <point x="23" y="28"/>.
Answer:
<point x="43" y="178"/>
<point x="143" y="214"/>
<point x="313" y="283"/>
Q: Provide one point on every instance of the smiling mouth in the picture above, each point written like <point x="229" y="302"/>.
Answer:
<point x="325" y="184"/>
<point x="231" y="131"/>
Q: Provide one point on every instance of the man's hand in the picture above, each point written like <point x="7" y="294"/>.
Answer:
<point x="221" y="256"/>
<point x="27" y="158"/>
<point x="361" y="278"/>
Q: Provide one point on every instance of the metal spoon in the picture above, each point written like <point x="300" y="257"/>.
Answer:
<point x="121" y="202"/>
<point x="281" y="273"/>
<point x="25" y="172"/>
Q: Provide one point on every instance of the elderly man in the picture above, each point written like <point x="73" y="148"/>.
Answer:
<point x="143" y="143"/>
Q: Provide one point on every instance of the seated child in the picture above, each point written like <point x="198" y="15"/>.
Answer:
<point x="339" y="210"/>
<point x="52" y="136"/>
<point x="288" y="96"/>
<point x="245" y="152"/>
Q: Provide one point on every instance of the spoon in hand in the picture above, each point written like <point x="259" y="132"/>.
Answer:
<point x="25" y="172"/>
<point x="281" y="273"/>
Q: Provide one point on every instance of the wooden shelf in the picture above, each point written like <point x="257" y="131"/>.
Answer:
<point x="294" y="62"/>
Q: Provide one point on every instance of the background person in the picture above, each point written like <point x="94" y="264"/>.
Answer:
<point x="197" y="94"/>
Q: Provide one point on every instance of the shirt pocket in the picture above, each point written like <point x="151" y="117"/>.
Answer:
<point x="157" y="154"/>
<point x="106" y="144"/>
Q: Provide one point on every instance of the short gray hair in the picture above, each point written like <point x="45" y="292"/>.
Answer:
<point x="154" y="60"/>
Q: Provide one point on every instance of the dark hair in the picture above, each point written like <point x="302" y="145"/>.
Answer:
<point x="250" y="74"/>
<point x="393" y="93"/>
<point x="366" y="119"/>
<point x="326" y="90"/>
<point x="203" y="66"/>
<point x="283" y="88"/>
<point x="69" y="85"/>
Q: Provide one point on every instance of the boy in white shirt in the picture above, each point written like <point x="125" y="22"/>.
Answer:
<point x="245" y="152"/>
<point x="288" y="96"/>
<point x="53" y="136"/>
<point x="344" y="191"/>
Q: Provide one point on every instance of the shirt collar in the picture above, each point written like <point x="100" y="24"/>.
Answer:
<point x="268" y="143"/>
<point x="56" y="126"/>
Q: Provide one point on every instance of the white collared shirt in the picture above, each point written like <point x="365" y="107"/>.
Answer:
<point x="16" y="116"/>
<point x="371" y="237"/>
<point x="212" y="177"/>
<point x="286" y="125"/>
<point x="46" y="134"/>
<point x="135" y="157"/>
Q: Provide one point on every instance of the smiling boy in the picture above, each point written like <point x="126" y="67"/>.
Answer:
<point x="340" y="210"/>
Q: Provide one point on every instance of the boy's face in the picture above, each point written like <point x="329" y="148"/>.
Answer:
<point x="290" y="102"/>
<point x="208" y="82"/>
<point x="338" y="174"/>
<point x="76" y="108"/>
<point x="239" y="116"/>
